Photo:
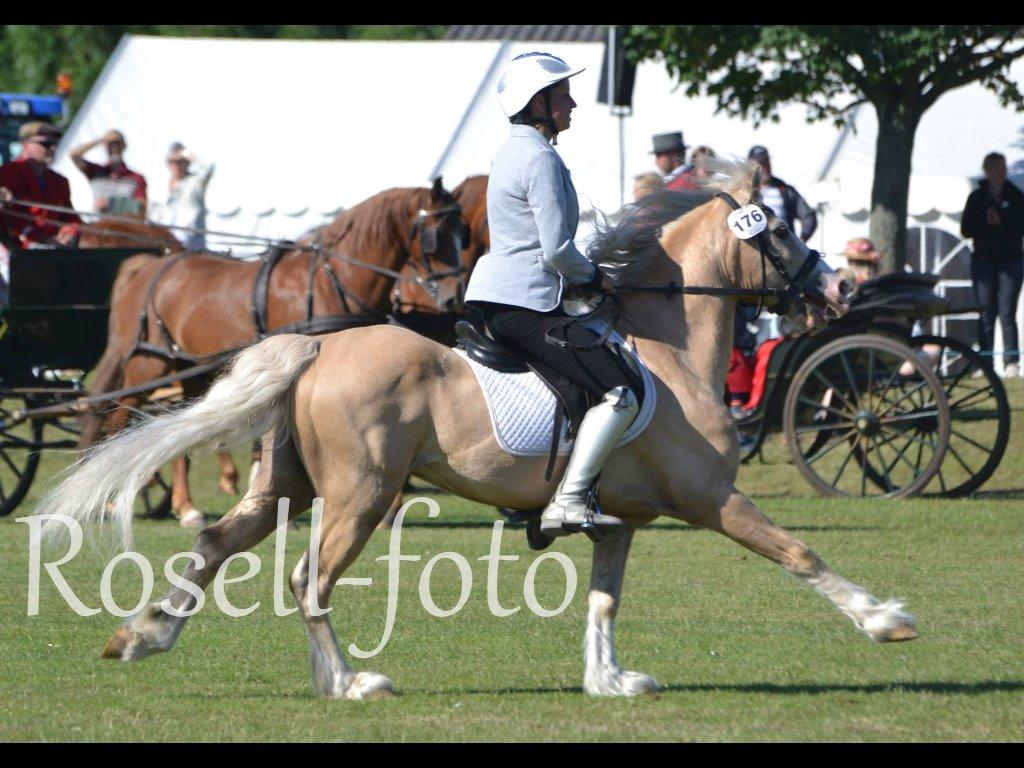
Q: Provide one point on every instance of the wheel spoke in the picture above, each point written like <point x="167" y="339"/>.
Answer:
<point x="835" y="411"/>
<point x="822" y="427"/>
<point x="824" y="380"/>
<point x="849" y="377"/>
<point x="905" y="395"/>
<point x="911" y="417"/>
<point x="11" y="464"/>
<point x="976" y="444"/>
<point x="827" y="448"/>
<point x="846" y="461"/>
<point x="956" y="456"/>
<point x="974" y="393"/>
<point x="888" y="384"/>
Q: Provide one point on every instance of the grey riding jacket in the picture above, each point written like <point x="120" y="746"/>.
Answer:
<point x="532" y="215"/>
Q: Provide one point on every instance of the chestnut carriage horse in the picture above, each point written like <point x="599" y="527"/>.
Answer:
<point x="170" y="312"/>
<point x="347" y="417"/>
<point x="414" y="303"/>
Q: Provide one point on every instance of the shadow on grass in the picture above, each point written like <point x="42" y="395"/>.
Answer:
<point x="938" y="686"/>
<point x="1005" y="493"/>
<point x="680" y="527"/>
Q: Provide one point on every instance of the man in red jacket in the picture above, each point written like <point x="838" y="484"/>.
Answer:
<point x="670" y="157"/>
<point x="28" y="178"/>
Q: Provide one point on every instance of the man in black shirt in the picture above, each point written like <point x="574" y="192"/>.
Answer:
<point x="994" y="217"/>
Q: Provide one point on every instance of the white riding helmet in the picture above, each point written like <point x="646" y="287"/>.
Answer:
<point x="527" y="74"/>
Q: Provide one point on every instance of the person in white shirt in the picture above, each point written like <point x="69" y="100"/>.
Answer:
<point x="186" y="199"/>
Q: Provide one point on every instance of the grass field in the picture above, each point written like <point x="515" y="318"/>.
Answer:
<point x="744" y="651"/>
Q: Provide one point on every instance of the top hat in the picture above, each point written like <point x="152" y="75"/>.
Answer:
<point x="668" y="142"/>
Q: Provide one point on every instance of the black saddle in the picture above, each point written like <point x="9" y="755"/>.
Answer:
<point x="571" y="401"/>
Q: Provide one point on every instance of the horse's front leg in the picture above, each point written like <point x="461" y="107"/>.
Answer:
<point x="603" y="675"/>
<point x="739" y="519"/>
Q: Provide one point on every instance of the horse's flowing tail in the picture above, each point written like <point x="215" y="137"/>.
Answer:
<point x="247" y="401"/>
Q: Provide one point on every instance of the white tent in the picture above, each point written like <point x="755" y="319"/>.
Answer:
<point x="301" y="129"/>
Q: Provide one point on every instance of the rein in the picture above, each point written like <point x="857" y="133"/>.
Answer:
<point x="797" y="289"/>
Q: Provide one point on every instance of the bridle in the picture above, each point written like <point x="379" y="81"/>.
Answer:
<point x="798" y="287"/>
<point x="429" y="277"/>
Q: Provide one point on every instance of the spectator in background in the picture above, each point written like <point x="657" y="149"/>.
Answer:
<point x="186" y="198"/>
<point x="783" y="199"/>
<point x="700" y="173"/>
<point x="646" y="183"/>
<point x="116" y="188"/>
<point x="862" y="259"/>
<point x="29" y="178"/>
<point x="994" y="217"/>
<point x="670" y="157"/>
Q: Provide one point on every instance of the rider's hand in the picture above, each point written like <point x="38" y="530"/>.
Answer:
<point x="6" y="195"/>
<point x="607" y="286"/>
<point x="110" y="136"/>
<point x="993" y="217"/>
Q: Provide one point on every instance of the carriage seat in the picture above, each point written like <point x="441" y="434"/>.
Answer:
<point x="487" y="351"/>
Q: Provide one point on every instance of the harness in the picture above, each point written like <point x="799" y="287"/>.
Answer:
<point x="319" y="258"/>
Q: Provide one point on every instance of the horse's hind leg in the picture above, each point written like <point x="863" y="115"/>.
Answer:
<point x="153" y="629"/>
<point x="739" y="519"/>
<point x="346" y="526"/>
<point x="603" y="675"/>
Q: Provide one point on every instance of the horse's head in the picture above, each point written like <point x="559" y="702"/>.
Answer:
<point x="773" y="262"/>
<point x="434" y="274"/>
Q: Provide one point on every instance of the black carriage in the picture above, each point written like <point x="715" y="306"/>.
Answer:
<point x="53" y="330"/>
<point x="869" y="408"/>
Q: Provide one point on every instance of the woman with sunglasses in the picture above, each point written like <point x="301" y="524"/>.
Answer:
<point x="532" y="214"/>
<point x="29" y="178"/>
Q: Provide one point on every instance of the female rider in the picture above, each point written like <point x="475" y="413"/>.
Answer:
<point x="532" y="214"/>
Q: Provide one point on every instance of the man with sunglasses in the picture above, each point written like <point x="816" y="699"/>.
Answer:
<point x="29" y="178"/>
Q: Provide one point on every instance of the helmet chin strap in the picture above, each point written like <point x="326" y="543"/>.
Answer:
<point x="549" y="121"/>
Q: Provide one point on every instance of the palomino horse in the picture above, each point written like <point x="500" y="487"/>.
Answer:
<point x="191" y="306"/>
<point x="354" y="413"/>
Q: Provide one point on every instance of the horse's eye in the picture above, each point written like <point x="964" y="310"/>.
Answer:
<point x="780" y="229"/>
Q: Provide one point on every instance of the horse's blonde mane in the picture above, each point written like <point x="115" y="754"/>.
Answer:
<point x="625" y="250"/>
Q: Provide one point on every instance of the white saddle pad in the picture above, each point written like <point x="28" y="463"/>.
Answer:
<point x="522" y="407"/>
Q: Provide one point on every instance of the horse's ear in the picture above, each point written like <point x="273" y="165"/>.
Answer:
<point x="437" y="191"/>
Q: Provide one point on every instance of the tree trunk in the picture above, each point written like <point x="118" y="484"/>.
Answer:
<point x="897" y="124"/>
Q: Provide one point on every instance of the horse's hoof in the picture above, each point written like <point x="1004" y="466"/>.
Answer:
<point x="370" y="685"/>
<point x="192" y="519"/>
<point x="899" y="634"/>
<point x="118" y="643"/>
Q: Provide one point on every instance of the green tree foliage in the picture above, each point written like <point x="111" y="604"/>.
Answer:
<point x="34" y="55"/>
<point x="900" y="70"/>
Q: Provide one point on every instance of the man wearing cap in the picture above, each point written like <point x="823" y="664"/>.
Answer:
<point x="783" y="199"/>
<point x="28" y="178"/>
<point x="117" y="188"/>
<point x="669" y="155"/>
<point x="186" y="198"/>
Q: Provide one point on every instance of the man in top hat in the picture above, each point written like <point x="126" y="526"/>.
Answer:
<point x="117" y="188"/>
<point x="670" y="157"/>
<point x="29" y="178"/>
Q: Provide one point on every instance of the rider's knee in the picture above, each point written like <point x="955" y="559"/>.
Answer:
<point x="623" y="399"/>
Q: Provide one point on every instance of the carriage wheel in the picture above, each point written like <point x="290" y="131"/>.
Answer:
<point x="865" y="416"/>
<point x="19" y="455"/>
<point x="979" y="413"/>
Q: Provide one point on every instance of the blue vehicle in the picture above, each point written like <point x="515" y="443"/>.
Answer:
<point x="19" y="108"/>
